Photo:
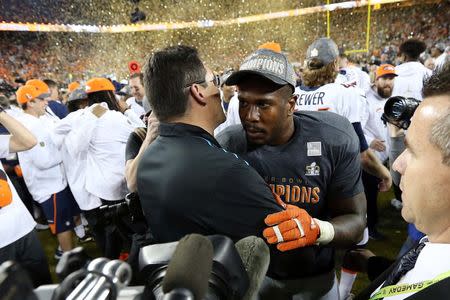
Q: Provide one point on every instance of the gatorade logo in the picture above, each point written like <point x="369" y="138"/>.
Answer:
<point x="5" y="190"/>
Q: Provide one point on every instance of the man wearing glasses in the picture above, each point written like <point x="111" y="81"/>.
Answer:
<point x="186" y="182"/>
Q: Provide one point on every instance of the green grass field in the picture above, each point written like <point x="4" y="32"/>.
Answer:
<point x="391" y="225"/>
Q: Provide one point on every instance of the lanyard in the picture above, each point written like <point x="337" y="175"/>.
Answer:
<point x="393" y="290"/>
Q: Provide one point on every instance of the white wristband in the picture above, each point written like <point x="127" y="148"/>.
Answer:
<point x="326" y="232"/>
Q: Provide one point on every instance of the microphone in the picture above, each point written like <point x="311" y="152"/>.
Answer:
<point x="117" y="276"/>
<point x="86" y="285"/>
<point x="256" y="258"/>
<point x="71" y="261"/>
<point x="189" y="269"/>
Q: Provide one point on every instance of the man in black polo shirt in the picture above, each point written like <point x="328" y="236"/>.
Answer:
<point x="311" y="160"/>
<point x="186" y="182"/>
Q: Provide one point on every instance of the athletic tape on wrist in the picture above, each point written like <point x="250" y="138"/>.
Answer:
<point x="326" y="232"/>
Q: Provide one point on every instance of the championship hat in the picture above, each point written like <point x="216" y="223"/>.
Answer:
<point x="323" y="50"/>
<point x="385" y="69"/>
<point x="78" y="94"/>
<point x="41" y="87"/>
<point x="99" y="84"/>
<point x="26" y="93"/>
<point x="267" y="63"/>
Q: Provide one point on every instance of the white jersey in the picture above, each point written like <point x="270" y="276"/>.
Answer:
<point x="409" y="82"/>
<point x="136" y="106"/>
<point x="440" y="61"/>
<point x="41" y="165"/>
<point x="333" y="97"/>
<point x="15" y="220"/>
<point x="352" y="75"/>
<point x="374" y="127"/>
<point x="104" y="139"/>
<point x="64" y="136"/>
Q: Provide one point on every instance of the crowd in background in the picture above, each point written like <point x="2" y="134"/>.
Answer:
<point x="124" y="108"/>
<point x="31" y="55"/>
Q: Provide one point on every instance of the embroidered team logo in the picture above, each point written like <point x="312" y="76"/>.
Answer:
<point x="312" y="170"/>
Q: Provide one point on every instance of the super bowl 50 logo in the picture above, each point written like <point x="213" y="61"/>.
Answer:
<point x="312" y="170"/>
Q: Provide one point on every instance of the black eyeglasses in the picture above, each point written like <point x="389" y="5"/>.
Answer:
<point x="216" y="81"/>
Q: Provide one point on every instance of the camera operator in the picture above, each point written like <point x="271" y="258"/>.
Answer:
<point x="18" y="240"/>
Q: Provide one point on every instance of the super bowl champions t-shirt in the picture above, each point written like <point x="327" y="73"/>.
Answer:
<point x="15" y="220"/>
<point x="318" y="165"/>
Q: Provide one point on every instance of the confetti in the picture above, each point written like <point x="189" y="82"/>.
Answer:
<point x="70" y="56"/>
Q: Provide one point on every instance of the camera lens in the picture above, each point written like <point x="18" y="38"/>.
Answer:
<point x="399" y="110"/>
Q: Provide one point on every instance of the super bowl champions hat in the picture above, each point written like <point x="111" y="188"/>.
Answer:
<point x="324" y="50"/>
<point x="266" y="63"/>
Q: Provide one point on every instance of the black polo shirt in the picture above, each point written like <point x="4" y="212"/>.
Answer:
<point x="188" y="184"/>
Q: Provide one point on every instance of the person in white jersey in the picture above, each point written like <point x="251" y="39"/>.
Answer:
<point x="411" y="72"/>
<point x="319" y="92"/>
<point x="101" y="131"/>
<point x="439" y="53"/>
<point x="377" y="137"/>
<point x="43" y="170"/>
<point x="19" y="241"/>
<point x="138" y="103"/>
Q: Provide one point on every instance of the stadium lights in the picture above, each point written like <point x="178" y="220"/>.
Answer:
<point x="4" y="26"/>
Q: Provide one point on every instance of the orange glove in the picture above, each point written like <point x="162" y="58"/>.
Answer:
<point x="290" y="229"/>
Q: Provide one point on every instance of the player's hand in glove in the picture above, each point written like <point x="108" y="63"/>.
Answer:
<point x="290" y="229"/>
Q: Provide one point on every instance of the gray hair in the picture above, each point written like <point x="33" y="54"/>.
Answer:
<point x="438" y="84"/>
<point x="440" y="136"/>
